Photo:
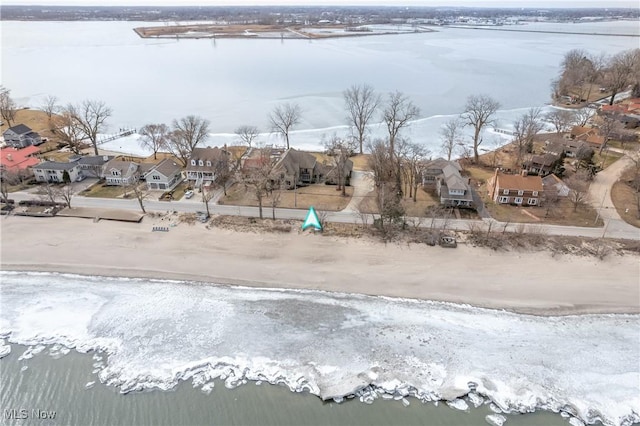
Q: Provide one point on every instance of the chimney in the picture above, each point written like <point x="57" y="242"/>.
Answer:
<point x="524" y="173"/>
<point x="105" y="157"/>
<point x="9" y="157"/>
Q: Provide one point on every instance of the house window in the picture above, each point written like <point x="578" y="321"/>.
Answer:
<point x="193" y="162"/>
<point x="505" y="192"/>
<point x="156" y="177"/>
<point x="114" y="173"/>
<point x="535" y="194"/>
<point x="504" y="200"/>
<point x="518" y="200"/>
<point x="533" y="201"/>
<point x="208" y="163"/>
<point x="200" y="163"/>
<point x="520" y="192"/>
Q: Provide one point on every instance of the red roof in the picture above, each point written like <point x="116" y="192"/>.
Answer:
<point x="19" y="159"/>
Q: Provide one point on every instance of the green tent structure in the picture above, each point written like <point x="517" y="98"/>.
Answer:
<point x="312" y="220"/>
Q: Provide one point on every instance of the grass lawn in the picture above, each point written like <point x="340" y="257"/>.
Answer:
<point x="606" y="159"/>
<point x="424" y="199"/>
<point x="100" y="190"/>
<point x="560" y="214"/>
<point x="624" y="198"/>
<point x="35" y="119"/>
<point x="322" y="197"/>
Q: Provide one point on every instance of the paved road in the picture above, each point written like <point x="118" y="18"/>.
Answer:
<point x="193" y="205"/>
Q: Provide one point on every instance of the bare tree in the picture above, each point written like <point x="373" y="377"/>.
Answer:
<point x="224" y="170"/>
<point x="69" y="131"/>
<point x="339" y="150"/>
<point x="7" y="106"/>
<point x="247" y="134"/>
<point x="258" y="178"/>
<point x="561" y="119"/>
<point x="609" y="126"/>
<point x="65" y="193"/>
<point x="90" y="117"/>
<point x="283" y="118"/>
<point x="397" y="114"/>
<point x="7" y="178"/>
<point x="578" y="189"/>
<point x="477" y="113"/>
<point x="578" y="71"/>
<point x="139" y="193"/>
<point x="413" y="162"/>
<point x="619" y="73"/>
<point x="526" y="127"/>
<point x="384" y="166"/>
<point x="207" y="196"/>
<point x="50" y="106"/>
<point x="154" y="137"/>
<point x="187" y="134"/>
<point x="361" y="102"/>
<point x="276" y="194"/>
<point x="451" y="136"/>
<point x="582" y="116"/>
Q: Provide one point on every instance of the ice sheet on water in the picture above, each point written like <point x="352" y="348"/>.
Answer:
<point x="157" y="333"/>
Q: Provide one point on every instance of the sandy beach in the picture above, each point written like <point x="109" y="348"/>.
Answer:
<point x="524" y="282"/>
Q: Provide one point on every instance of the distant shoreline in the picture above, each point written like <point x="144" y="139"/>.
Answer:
<point x="266" y="32"/>
<point x="495" y="28"/>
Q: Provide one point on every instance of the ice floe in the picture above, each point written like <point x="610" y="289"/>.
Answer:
<point x="154" y="334"/>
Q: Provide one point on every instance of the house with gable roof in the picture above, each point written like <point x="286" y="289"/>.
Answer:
<point x="165" y="175"/>
<point x="20" y="136"/>
<point x="54" y="171"/>
<point x="204" y="164"/>
<point x="521" y="189"/>
<point x="120" y="172"/>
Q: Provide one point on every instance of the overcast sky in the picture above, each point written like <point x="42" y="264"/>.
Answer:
<point x="477" y="3"/>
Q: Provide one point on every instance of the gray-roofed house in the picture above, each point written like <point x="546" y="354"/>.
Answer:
<point x="552" y="184"/>
<point x="165" y="175"/>
<point x="53" y="171"/>
<point x="204" y="163"/>
<point x="434" y="168"/>
<point x="91" y="165"/>
<point x="119" y="172"/>
<point x="453" y="189"/>
<point x="541" y="164"/>
<point x="20" y="136"/>
<point x="332" y="178"/>
<point x="298" y="168"/>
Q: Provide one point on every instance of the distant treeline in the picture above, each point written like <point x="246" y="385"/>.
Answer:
<point x="280" y="14"/>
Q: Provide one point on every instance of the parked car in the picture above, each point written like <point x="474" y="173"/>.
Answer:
<point x="447" y="241"/>
<point x="188" y="194"/>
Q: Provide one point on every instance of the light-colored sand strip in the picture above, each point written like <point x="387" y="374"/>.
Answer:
<point x="519" y="281"/>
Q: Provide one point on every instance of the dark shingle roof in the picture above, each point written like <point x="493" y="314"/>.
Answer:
<point x="21" y="129"/>
<point x="55" y="165"/>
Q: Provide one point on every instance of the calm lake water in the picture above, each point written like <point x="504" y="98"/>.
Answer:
<point x="60" y="385"/>
<point x="233" y="81"/>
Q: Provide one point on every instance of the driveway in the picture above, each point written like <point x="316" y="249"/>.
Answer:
<point x="600" y="197"/>
<point x="362" y="183"/>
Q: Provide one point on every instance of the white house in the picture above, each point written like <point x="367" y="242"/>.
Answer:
<point x="165" y="175"/>
<point x="53" y="171"/>
<point x="119" y="172"/>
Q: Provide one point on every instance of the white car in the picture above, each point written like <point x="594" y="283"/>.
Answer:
<point x="188" y="194"/>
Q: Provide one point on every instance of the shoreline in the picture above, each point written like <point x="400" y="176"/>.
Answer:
<point x="549" y="286"/>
